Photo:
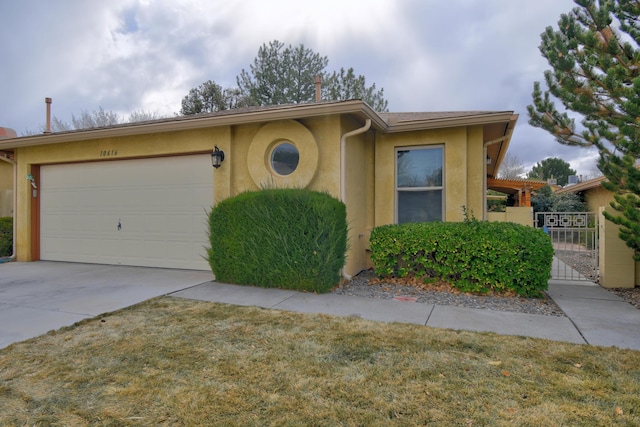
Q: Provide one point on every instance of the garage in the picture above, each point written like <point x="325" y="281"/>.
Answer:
<point x="142" y="212"/>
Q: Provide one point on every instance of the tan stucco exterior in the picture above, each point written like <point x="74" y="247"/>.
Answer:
<point x="6" y="176"/>
<point x="6" y="188"/>
<point x="517" y="214"/>
<point x="247" y="138"/>
<point x="463" y="164"/>
<point x="617" y="268"/>
<point x="615" y="258"/>
<point x="597" y="197"/>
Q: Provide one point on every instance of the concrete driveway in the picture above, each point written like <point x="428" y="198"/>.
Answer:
<point x="37" y="297"/>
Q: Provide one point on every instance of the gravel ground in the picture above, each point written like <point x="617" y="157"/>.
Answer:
<point x="367" y="285"/>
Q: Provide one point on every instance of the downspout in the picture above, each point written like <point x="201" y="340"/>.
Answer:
<point x="484" y="185"/>
<point x="15" y="201"/>
<point x="343" y="167"/>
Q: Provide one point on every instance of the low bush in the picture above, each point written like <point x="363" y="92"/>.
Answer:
<point x="474" y="256"/>
<point x="279" y="238"/>
<point x="6" y="236"/>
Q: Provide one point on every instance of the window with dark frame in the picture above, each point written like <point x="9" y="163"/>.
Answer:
<point x="419" y="184"/>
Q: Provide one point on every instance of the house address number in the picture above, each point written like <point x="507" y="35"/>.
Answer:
<point x="108" y="153"/>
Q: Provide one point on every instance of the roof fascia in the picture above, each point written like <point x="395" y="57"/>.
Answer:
<point x="479" y="119"/>
<point x="582" y="186"/>
<point x="508" y="133"/>
<point x="300" y="111"/>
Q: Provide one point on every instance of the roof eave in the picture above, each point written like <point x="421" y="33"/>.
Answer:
<point x="299" y="111"/>
<point x="465" y="120"/>
<point x="582" y="186"/>
<point x="508" y="134"/>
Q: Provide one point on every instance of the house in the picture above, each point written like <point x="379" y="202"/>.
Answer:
<point x="592" y="191"/>
<point x="520" y="189"/>
<point x="138" y="193"/>
<point x="6" y="178"/>
<point x="616" y="265"/>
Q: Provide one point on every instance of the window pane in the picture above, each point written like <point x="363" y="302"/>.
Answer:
<point x="420" y="167"/>
<point x="285" y="158"/>
<point x="419" y="206"/>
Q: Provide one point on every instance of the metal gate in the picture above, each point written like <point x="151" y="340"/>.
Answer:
<point x="575" y="242"/>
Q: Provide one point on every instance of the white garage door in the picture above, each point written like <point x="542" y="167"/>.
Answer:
<point x="143" y="212"/>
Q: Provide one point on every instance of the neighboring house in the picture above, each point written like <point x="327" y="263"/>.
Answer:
<point x="617" y="268"/>
<point x="6" y="177"/>
<point x="521" y="189"/>
<point x="138" y="194"/>
<point x="6" y="189"/>
<point x="594" y="194"/>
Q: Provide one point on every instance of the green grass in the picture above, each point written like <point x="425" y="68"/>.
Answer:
<point x="171" y="361"/>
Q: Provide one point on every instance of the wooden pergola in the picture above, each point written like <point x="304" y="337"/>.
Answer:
<point x="521" y="188"/>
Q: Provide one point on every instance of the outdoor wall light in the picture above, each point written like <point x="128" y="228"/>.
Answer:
<point x="217" y="157"/>
<point x="32" y="180"/>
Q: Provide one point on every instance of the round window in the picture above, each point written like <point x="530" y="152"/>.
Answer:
<point x="285" y="158"/>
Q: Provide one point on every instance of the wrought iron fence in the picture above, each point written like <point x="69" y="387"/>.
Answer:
<point x="574" y="236"/>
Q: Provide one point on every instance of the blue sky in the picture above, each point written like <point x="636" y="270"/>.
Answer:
<point x="126" y="55"/>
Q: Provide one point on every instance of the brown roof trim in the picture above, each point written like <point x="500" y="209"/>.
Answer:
<point x="519" y="182"/>
<point x="402" y="122"/>
<point x="358" y="108"/>
<point x="581" y="186"/>
<point x="508" y="133"/>
<point x="512" y="186"/>
<point x="222" y="118"/>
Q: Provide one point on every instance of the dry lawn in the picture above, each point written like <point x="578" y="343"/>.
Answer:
<point x="171" y="361"/>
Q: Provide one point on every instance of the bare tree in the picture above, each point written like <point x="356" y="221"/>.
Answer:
<point x="95" y="119"/>
<point x="511" y="167"/>
<point x="143" y="116"/>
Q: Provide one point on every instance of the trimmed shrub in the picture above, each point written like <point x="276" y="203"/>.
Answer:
<point x="6" y="236"/>
<point x="474" y="256"/>
<point x="279" y="238"/>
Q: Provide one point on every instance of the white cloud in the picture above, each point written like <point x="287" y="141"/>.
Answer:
<point x="127" y="55"/>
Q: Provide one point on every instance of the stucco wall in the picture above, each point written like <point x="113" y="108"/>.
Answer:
<point x="245" y="146"/>
<point x="617" y="267"/>
<point x="6" y="189"/>
<point x="6" y="175"/>
<point x="105" y="149"/>
<point x="476" y="176"/>
<point x="518" y="214"/>
<point x="369" y="177"/>
<point x="359" y="195"/>
<point x="463" y="170"/>
<point x="597" y="197"/>
<point x="247" y="149"/>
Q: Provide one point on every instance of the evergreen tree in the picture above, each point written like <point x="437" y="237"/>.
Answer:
<point x="542" y="200"/>
<point x="210" y="97"/>
<point x="346" y="85"/>
<point x="281" y="75"/>
<point x="595" y="59"/>
<point x="552" y="167"/>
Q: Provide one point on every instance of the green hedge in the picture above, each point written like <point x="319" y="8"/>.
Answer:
<point x="474" y="256"/>
<point x="6" y="236"/>
<point x="279" y="238"/>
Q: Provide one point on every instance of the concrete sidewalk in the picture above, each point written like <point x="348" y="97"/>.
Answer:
<point x="601" y="317"/>
<point x="594" y="315"/>
<point x="42" y="296"/>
